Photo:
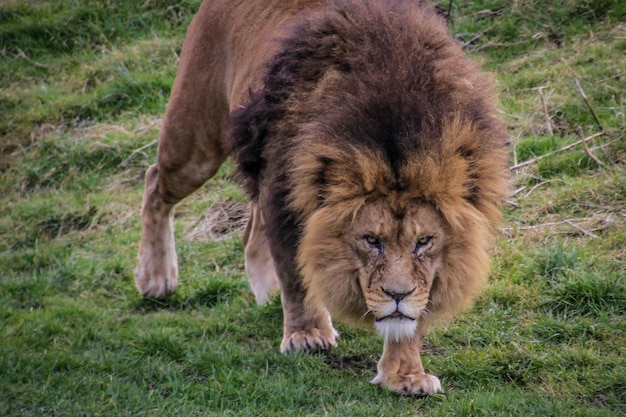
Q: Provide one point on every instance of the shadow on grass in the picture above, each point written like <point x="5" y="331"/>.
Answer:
<point x="359" y="364"/>
<point x="214" y="293"/>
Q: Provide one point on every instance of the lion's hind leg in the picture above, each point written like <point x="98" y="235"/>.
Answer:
<point x="156" y="275"/>
<point x="190" y="152"/>
<point x="178" y="173"/>
<point x="260" y="267"/>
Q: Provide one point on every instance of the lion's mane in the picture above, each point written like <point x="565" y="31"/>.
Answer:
<point x="368" y="99"/>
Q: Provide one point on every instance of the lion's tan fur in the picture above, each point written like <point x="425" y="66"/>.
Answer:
<point x="370" y="149"/>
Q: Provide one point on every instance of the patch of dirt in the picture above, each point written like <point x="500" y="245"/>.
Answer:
<point x="356" y="362"/>
<point x="360" y="363"/>
<point x="429" y="349"/>
<point x="220" y="222"/>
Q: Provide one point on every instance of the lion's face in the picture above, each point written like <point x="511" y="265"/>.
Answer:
<point x="398" y="256"/>
<point x="380" y="263"/>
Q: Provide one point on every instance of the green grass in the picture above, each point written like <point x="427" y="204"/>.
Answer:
<point x="83" y="87"/>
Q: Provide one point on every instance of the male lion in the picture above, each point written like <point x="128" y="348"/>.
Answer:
<point x="369" y="146"/>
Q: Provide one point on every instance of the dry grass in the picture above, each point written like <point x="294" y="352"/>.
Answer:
<point x="222" y="220"/>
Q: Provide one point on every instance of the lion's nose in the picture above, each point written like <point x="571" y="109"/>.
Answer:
<point x="398" y="295"/>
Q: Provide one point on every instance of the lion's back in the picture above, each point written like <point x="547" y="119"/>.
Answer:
<point x="383" y="75"/>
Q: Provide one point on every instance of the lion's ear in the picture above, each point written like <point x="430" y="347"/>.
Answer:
<point x="311" y="189"/>
<point x="481" y="152"/>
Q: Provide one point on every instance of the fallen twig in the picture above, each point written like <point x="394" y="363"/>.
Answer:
<point x="532" y="88"/>
<point x="537" y="186"/>
<point x="563" y="149"/>
<point x="519" y="190"/>
<point x="586" y="149"/>
<point x="126" y="161"/>
<point x="584" y="97"/>
<point x="605" y="208"/>
<point x="610" y="78"/>
<point x="539" y="226"/>
<point x="24" y="150"/>
<point x="604" y="145"/>
<point x="496" y="45"/>
<point x="580" y="229"/>
<point x="569" y="222"/>
<point x="546" y="115"/>
<point x="21" y="54"/>
<point x="467" y="43"/>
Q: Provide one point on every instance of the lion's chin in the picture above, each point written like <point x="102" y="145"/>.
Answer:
<point x="395" y="329"/>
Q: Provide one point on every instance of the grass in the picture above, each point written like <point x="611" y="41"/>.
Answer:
<point x="84" y="85"/>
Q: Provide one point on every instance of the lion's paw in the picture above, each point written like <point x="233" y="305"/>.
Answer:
<point x="308" y="340"/>
<point x="156" y="285"/>
<point x="157" y="276"/>
<point x="411" y="384"/>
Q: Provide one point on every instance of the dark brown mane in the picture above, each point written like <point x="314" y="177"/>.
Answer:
<point x="393" y="90"/>
<point x="372" y="75"/>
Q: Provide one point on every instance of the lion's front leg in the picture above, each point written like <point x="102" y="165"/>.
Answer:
<point x="305" y="327"/>
<point x="259" y="262"/>
<point x="305" y="330"/>
<point x="400" y="368"/>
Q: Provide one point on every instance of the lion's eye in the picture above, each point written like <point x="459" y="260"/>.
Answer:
<point x="423" y="242"/>
<point x="372" y="240"/>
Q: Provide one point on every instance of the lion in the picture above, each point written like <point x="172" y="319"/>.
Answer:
<point x="370" y="148"/>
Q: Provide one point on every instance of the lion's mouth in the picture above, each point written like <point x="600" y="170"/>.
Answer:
<point x="396" y="315"/>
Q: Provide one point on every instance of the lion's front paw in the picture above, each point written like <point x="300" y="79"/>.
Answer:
<point x="411" y="384"/>
<point x="307" y="340"/>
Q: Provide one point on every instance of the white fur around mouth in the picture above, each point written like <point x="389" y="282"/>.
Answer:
<point x="396" y="328"/>
<point x="395" y="315"/>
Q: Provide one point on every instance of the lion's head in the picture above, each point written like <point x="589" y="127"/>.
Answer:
<point x="399" y="246"/>
<point x="392" y="255"/>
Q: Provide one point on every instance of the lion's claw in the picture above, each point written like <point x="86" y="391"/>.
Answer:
<point x="411" y="384"/>
<point x="309" y="340"/>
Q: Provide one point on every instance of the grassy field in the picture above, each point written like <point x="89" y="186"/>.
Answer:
<point x="83" y="87"/>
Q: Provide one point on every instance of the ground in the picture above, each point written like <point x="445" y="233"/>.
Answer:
<point x="84" y="85"/>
